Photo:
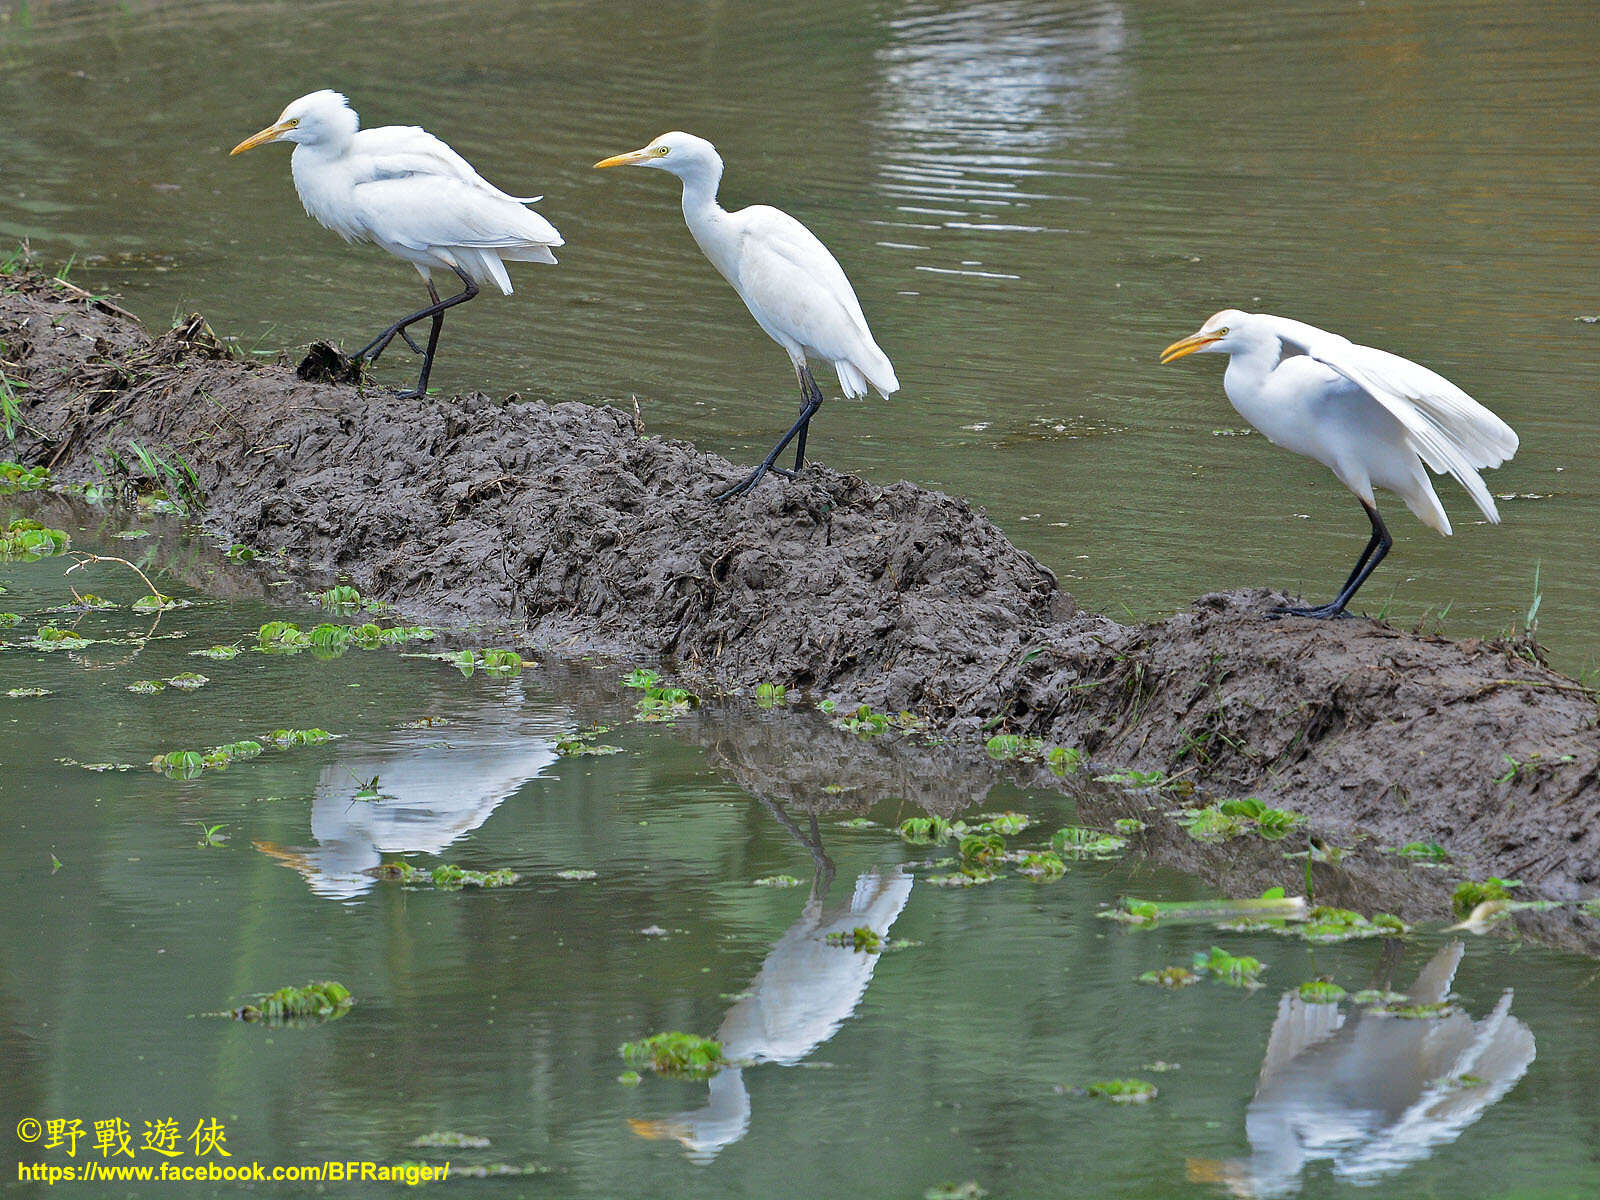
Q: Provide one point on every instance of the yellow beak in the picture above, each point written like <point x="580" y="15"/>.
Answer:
<point x="270" y="134"/>
<point x="625" y="160"/>
<point x="1188" y="345"/>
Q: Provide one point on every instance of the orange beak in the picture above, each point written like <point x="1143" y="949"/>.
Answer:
<point x="1188" y="345"/>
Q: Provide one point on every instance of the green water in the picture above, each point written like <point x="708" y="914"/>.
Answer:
<point x="499" y="1014"/>
<point x="1032" y="199"/>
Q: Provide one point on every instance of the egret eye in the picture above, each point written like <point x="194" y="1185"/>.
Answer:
<point x="664" y="151"/>
<point x="293" y="122"/>
<point x="1223" y="332"/>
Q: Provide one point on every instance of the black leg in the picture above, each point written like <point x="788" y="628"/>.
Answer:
<point x="434" y="310"/>
<point x="749" y="481"/>
<point x="812" y="394"/>
<point x="1377" y="546"/>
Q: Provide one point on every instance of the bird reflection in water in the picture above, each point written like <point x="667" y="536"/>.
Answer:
<point x="1369" y="1092"/>
<point x="434" y="786"/>
<point x="805" y="990"/>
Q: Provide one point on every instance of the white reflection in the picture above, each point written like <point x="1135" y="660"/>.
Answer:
<point x="805" y="991"/>
<point x="1370" y="1093"/>
<point x="435" y="786"/>
<point x="974" y="93"/>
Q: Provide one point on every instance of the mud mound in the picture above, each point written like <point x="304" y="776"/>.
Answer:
<point x="565" y="522"/>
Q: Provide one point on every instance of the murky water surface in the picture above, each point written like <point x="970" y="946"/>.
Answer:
<point x="1032" y="199"/>
<point x="498" y="1013"/>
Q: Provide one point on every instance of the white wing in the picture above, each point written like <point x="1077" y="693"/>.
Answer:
<point x="423" y="211"/>
<point x="1448" y="429"/>
<point x="797" y="290"/>
<point x="397" y="150"/>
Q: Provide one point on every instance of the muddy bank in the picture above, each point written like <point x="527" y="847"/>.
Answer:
<point x="567" y="523"/>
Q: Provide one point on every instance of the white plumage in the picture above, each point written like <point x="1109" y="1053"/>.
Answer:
<point x="408" y="192"/>
<point x="791" y="284"/>
<point x="1371" y="417"/>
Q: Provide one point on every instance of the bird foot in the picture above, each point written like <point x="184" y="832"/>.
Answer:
<point x="1322" y="612"/>
<point x="745" y="484"/>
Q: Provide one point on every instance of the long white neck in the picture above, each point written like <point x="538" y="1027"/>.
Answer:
<point x="700" y="182"/>
<point x="1249" y="367"/>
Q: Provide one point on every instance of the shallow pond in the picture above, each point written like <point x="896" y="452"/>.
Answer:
<point x="1032" y="196"/>
<point x="957" y="1055"/>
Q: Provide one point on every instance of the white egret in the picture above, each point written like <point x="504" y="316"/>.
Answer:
<point x="404" y="189"/>
<point x="794" y="288"/>
<point x="1371" y="417"/>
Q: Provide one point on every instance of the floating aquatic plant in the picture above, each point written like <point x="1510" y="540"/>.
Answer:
<point x="343" y="599"/>
<point x="641" y="677"/>
<point x="20" y="693"/>
<point x="770" y="695"/>
<point x="577" y="873"/>
<point x="1327" y="924"/>
<point x="447" y="877"/>
<point x="1321" y="991"/>
<point x="923" y="831"/>
<point x="14" y="477"/>
<point x="1237" y="970"/>
<point x="1042" y="865"/>
<point x="211" y="835"/>
<point x="1124" y="1091"/>
<point x="1236" y="818"/>
<point x="1065" y="760"/>
<point x="1170" y="977"/>
<point x="580" y="745"/>
<point x="775" y="881"/>
<point x="1469" y="894"/>
<point x="299" y="737"/>
<point x="1076" y="841"/>
<point x="861" y="939"/>
<point x="865" y="721"/>
<point x="1271" y="905"/>
<point x="323" y="999"/>
<point x="1014" y="747"/>
<point x="1430" y="852"/>
<point x="239" y="552"/>
<point x="673" y="1053"/>
<point x="24" y="540"/>
<point x="217" y="653"/>
<point x="661" y="703"/>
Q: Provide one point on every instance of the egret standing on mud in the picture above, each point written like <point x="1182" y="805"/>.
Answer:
<point x="403" y="188"/>
<point x="794" y="288"/>
<point x="1371" y="417"/>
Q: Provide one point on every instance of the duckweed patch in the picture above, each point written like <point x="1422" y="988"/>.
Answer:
<point x="1124" y="1091"/>
<point x="924" y="831"/>
<point x="14" y="477"/>
<point x="447" y="877"/>
<point x="1238" y="818"/>
<point x="1077" y="841"/>
<point x="1272" y="905"/>
<point x="1235" y="970"/>
<point x="321" y="1000"/>
<point x="861" y="939"/>
<point x="1325" y="924"/>
<point x="1321" y="991"/>
<point x="672" y="1053"/>
<point x="1427" y="852"/>
<point x="330" y="640"/>
<point x="299" y="737"/>
<point x="25" y="540"/>
<point x="217" y="653"/>
<point x="1170" y="977"/>
<point x="775" y="881"/>
<point x="1041" y="865"/>
<point x="1470" y="894"/>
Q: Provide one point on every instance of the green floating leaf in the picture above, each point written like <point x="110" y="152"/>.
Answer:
<point x="1321" y="991"/>
<point x="861" y="939"/>
<point x="1124" y="1091"/>
<point x="24" y="540"/>
<point x="1469" y="894"/>
<point x="775" y="881"/>
<point x="923" y="831"/>
<point x="217" y="653"/>
<point x="299" y="737"/>
<point x="1237" y="970"/>
<point x="673" y="1053"/>
<point x="324" y="1000"/>
<point x="1076" y="841"/>
<point x="1170" y="977"/>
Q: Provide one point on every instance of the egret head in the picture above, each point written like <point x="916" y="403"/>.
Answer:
<point x="683" y="154"/>
<point x="1219" y="335"/>
<point x="320" y="118"/>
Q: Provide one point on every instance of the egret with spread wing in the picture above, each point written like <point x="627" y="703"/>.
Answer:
<point x="404" y="189"/>
<point x="1371" y="417"/>
<point x="791" y="284"/>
